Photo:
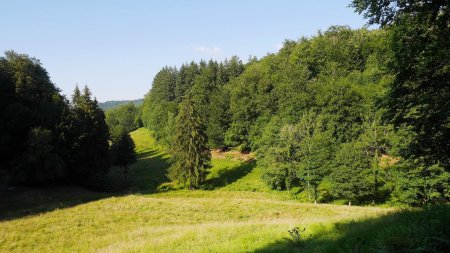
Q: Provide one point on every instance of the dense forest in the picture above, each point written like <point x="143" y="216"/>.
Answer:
<point x="47" y="138"/>
<point x="359" y="115"/>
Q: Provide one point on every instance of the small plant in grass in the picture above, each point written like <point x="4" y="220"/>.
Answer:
<point x="297" y="234"/>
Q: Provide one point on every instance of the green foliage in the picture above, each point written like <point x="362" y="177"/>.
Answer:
<point x="105" y="106"/>
<point x="324" y="111"/>
<point x="40" y="163"/>
<point x="212" y="220"/>
<point x="315" y="113"/>
<point x="271" y="148"/>
<point x="219" y="117"/>
<point x="185" y="79"/>
<point x="350" y="177"/>
<point x="44" y="138"/>
<point x="124" y="116"/>
<point x="324" y="93"/>
<point x="90" y="147"/>
<point x="159" y="108"/>
<point x="205" y="83"/>
<point x="32" y="115"/>
<point x="420" y="185"/>
<point x="122" y="149"/>
<point x="417" y="101"/>
<point x="190" y="155"/>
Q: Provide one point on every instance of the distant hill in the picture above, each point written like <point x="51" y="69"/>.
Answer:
<point x="113" y="103"/>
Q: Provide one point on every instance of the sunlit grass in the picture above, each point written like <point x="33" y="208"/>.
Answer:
<point x="169" y="222"/>
<point x="235" y="212"/>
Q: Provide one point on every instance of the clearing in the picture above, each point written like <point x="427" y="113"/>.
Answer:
<point x="235" y="212"/>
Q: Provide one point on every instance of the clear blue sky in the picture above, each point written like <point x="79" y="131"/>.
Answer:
<point x="116" y="47"/>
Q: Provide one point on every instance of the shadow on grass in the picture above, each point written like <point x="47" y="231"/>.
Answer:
<point x="403" y="231"/>
<point x="143" y="178"/>
<point x="229" y="175"/>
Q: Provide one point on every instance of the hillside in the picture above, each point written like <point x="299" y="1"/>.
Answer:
<point x="236" y="212"/>
<point x="113" y="103"/>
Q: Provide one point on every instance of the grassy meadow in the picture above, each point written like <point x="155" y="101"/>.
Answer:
<point x="234" y="212"/>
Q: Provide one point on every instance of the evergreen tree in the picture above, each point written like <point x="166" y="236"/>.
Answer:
<point x="122" y="149"/>
<point x="219" y="117"/>
<point x="90" y="150"/>
<point x="204" y="85"/>
<point x="185" y="79"/>
<point x="190" y="155"/>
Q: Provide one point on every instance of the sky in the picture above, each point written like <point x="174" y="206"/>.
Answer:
<point x="116" y="47"/>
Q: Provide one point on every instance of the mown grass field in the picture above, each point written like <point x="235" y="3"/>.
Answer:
<point x="234" y="212"/>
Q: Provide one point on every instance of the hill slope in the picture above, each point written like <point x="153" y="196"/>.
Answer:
<point x="224" y="217"/>
<point x="113" y="103"/>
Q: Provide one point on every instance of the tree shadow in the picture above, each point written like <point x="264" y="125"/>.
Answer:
<point x="143" y="178"/>
<point x="229" y="175"/>
<point x="403" y="231"/>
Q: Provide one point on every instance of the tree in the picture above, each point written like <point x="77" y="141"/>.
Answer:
<point x="204" y="85"/>
<point x="185" y="79"/>
<point x="190" y="155"/>
<point x="317" y="151"/>
<point x="90" y="148"/>
<point x="32" y="113"/>
<point x="160" y="107"/>
<point x="350" y="174"/>
<point x="297" y="155"/>
<point x="418" y="97"/>
<point x="125" y="115"/>
<point x="40" y="163"/>
<point x="219" y="117"/>
<point x="122" y="149"/>
<point x="272" y="156"/>
<point x="7" y="98"/>
<point x="390" y="12"/>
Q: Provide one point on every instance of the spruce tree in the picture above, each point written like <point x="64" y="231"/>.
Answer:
<point x="190" y="156"/>
<point x="90" y="150"/>
<point x="122" y="149"/>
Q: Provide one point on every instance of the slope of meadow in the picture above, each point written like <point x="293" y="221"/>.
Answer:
<point x="235" y="212"/>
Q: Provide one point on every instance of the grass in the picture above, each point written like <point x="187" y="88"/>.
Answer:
<point x="235" y="212"/>
<point x="148" y="173"/>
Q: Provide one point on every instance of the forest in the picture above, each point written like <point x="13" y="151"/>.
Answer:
<point x="357" y="115"/>
<point x="346" y="116"/>
<point x="47" y="138"/>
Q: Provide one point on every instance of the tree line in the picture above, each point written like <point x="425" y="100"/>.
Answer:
<point x="47" y="138"/>
<point x="115" y="103"/>
<point x="357" y="115"/>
